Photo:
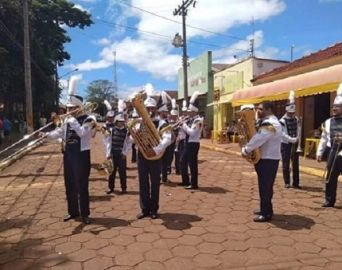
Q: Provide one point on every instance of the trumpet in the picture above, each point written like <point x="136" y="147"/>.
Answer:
<point x="180" y="122"/>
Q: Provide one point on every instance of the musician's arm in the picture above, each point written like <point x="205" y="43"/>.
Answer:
<point x="322" y="144"/>
<point x="191" y="131"/>
<point x="165" y="142"/>
<point x="81" y="130"/>
<point x="55" y="134"/>
<point x="257" y="140"/>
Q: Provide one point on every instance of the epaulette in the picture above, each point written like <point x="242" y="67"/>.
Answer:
<point x="267" y="126"/>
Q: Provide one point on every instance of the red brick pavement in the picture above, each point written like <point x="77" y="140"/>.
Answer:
<point x="210" y="228"/>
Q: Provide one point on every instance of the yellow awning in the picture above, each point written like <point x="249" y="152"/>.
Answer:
<point x="310" y="83"/>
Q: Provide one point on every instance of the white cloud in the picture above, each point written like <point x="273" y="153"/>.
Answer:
<point x="154" y="55"/>
<point x="102" y="42"/>
<point x="78" y="6"/>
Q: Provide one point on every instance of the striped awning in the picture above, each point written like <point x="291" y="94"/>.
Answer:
<point x="311" y="83"/>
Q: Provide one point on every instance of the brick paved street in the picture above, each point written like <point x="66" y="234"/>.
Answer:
<point x="210" y="228"/>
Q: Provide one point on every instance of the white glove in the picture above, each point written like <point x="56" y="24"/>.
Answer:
<point x="244" y="152"/>
<point x="157" y="149"/>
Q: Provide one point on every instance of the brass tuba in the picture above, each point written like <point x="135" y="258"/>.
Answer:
<point x="143" y="131"/>
<point x="246" y="130"/>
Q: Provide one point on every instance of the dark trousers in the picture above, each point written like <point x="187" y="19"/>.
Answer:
<point x="149" y="184"/>
<point x="190" y="158"/>
<point x="76" y="179"/>
<point x="134" y="154"/>
<point x="178" y="156"/>
<point x="333" y="172"/>
<point x="166" y="161"/>
<point x="118" y="164"/>
<point x="170" y="154"/>
<point x="289" y="154"/>
<point x="266" y="170"/>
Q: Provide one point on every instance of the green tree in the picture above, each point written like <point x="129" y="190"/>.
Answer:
<point x="98" y="91"/>
<point x="48" y="19"/>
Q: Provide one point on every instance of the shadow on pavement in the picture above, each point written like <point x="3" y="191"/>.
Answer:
<point x="292" y="222"/>
<point x="97" y="179"/>
<point x="107" y="223"/>
<point x="100" y="198"/>
<point x="312" y="189"/>
<point x="213" y="190"/>
<point x="178" y="221"/>
<point x="29" y="174"/>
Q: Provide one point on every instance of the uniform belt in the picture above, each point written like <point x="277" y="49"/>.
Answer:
<point x="72" y="141"/>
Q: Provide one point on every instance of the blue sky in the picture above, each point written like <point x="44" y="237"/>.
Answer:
<point x="142" y="40"/>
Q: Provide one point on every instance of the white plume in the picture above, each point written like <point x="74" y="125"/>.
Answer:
<point x="121" y="105"/>
<point x="339" y="90"/>
<point x="149" y="89"/>
<point x="194" y="97"/>
<point x="72" y="85"/>
<point x="108" y="106"/>
<point x="292" y="96"/>
<point x="173" y="103"/>
<point x="165" y="97"/>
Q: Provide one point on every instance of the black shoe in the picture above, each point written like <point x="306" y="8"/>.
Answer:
<point x="261" y="218"/>
<point x="327" y="204"/>
<point x="142" y="215"/>
<point x="86" y="220"/>
<point x="191" y="187"/>
<point x="109" y="191"/>
<point x="68" y="217"/>
<point x="154" y="216"/>
<point x="287" y="185"/>
<point x="123" y="191"/>
<point x="297" y="186"/>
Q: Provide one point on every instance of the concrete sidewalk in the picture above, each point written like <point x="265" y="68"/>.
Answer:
<point x="307" y="165"/>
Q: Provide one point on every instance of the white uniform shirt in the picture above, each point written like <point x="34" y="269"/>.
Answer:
<point x="268" y="141"/>
<point x="166" y="139"/>
<point x="325" y="140"/>
<point x="84" y="131"/>
<point x="195" y="130"/>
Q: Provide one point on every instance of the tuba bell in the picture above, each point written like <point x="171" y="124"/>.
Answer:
<point x="246" y="128"/>
<point x="143" y="131"/>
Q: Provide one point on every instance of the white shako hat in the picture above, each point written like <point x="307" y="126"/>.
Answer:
<point x="163" y="101"/>
<point x="121" y="110"/>
<point x="110" y="112"/>
<point x="184" y="107"/>
<point x="290" y="104"/>
<point x="194" y="103"/>
<point x="338" y="98"/>
<point x="73" y="99"/>
<point x="174" y="110"/>
<point x="247" y="107"/>
<point x="149" y="101"/>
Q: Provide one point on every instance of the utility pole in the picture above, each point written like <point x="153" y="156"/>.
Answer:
<point x="292" y="47"/>
<point x="182" y="11"/>
<point x="27" y="67"/>
<point x="251" y="43"/>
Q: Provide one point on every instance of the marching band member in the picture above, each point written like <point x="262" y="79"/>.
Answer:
<point x="163" y="112"/>
<point x="193" y="134"/>
<point x="134" y="150"/>
<point x="268" y="138"/>
<point x="180" y="144"/>
<point x="173" y="118"/>
<point x="76" y="132"/>
<point x="289" y="143"/>
<point x="117" y="145"/>
<point x="149" y="170"/>
<point x="331" y="138"/>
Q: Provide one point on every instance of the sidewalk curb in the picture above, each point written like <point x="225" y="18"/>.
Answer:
<point x="303" y="169"/>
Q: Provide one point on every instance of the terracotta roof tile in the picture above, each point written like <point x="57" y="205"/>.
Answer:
<point x="330" y="52"/>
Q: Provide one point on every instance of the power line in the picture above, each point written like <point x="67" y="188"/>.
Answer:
<point x="163" y="36"/>
<point x="175" y="21"/>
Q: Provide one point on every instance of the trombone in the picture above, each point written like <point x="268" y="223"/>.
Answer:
<point x="88" y="108"/>
<point x="332" y="158"/>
